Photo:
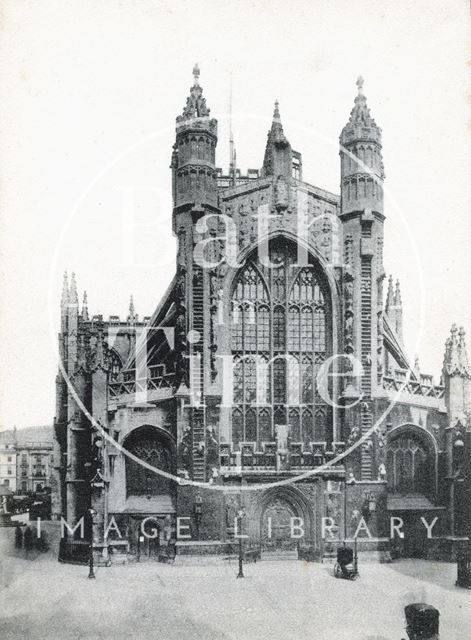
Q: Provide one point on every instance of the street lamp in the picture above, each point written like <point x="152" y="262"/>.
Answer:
<point x="240" y="516"/>
<point x="91" y="574"/>
<point x="350" y="481"/>
<point x="198" y="511"/>
<point x="463" y="557"/>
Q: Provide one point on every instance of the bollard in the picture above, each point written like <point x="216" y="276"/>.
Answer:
<point x="422" y="621"/>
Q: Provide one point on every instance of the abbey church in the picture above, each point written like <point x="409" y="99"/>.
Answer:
<point x="271" y="380"/>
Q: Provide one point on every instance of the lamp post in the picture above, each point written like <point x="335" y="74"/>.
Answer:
<point x="91" y="573"/>
<point x="350" y="481"/>
<point x="463" y="556"/>
<point x="198" y="512"/>
<point x="240" y="516"/>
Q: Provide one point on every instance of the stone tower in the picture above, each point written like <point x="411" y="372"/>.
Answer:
<point x="361" y="213"/>
<point x="194" y="180"/>
<point x="194" y="152"/>
<point x="457" y="382"/>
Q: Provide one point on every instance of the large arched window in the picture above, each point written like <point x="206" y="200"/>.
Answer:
<point x="410" y="464"/>
<point x="280" y="336"/>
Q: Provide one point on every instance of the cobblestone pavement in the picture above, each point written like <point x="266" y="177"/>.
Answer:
<point x="276" y="600"/>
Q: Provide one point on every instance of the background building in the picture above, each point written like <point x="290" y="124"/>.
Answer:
<point x="226" y="388"/>
<point x="8" y="460"/>
<point x="34" y="458"/>
<point x="26" y="457"/>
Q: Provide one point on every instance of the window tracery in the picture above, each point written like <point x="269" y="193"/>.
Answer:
<point x="410" y="465"/>
<point x="280" y="335"/>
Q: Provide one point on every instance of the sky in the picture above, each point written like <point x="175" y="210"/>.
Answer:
<point x="89" y="92"/>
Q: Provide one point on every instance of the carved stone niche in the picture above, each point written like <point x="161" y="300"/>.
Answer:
<point x="348" y="315"/>
<point x="281" y="194"/>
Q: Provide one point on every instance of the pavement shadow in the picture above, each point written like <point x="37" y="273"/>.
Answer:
<point x="442" y="574"/>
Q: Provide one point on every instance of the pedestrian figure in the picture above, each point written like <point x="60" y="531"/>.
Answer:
<point x="18" y="537"/>
<point x="42" y="543"/>
<point x="28" y="539"/>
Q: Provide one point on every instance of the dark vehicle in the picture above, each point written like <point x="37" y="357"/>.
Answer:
<point x="347" y="564"/>
<point x="422" y="621"/>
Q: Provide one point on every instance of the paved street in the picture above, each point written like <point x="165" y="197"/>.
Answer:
<point x="276" y="601"/>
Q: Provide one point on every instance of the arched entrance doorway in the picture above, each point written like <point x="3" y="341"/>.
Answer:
<point x="276" y="523"/>
<point x="154" y="448"/>
<point x="411" y="470"/>
<point x="149" y="512"/>
<point x="285" y="520"/>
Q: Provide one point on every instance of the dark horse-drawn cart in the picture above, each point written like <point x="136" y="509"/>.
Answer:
<point x="347" y="563"/>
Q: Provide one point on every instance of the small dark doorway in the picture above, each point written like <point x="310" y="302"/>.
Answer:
<point x="415" y="543"/>
<point x="144" y="538"/>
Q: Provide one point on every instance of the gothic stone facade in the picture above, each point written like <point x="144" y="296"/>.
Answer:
<point x="224" y="386"/>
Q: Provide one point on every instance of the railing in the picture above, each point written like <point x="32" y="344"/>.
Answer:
<point x="157" y="379"/>
<point x="74" y="551"/>
<point x="413" y="387"/>
<point x="267" y="457"/>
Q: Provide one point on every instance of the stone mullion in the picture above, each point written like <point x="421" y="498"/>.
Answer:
<point x="301" y="369"/>
<point x="271" y="377"/>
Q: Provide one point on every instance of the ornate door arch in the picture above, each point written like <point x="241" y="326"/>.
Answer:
<point x="275" y="526"/>
<point x="280" y="504"/>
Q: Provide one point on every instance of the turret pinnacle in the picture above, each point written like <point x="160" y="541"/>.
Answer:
<point x="398" y="310"/>
<point x="195" y="103"/>
<point x="362" y="170"/>
<point x="85" y="307"/>
<point x="132" y="317"/>
<point x="360" y="114"/>
<point x="456" y="375"/>
<point x="194" y="154"/>
<point x="417" y="367"/>
<point x="276" y="133"/>
<point x="196" y="74"/>
<point x="73" y="296"/>
<point x="276" y="113"/>
<point x="360" y="81"/>
<point x="390" y="297"/>
<point x="397" y="295"/>
<point x="278" y="155"/>
<point x="394" y="307"/>
<point x="463" y="354"/>
<point x="452" y="364"/>
<point x="65" y="291"/>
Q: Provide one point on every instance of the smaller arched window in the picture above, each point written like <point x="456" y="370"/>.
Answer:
<point x="147" y="444"/>
<point x="115" y="365"/>
<point x="410" y="464"/>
